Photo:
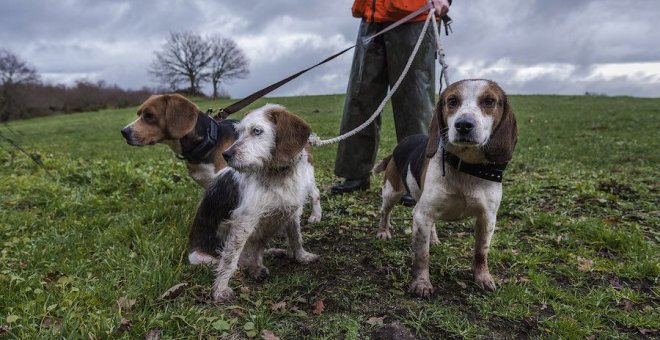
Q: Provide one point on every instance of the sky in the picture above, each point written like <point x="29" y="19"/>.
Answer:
<point x="528" y="46"/>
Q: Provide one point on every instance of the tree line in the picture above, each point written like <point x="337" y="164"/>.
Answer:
<point x="185" y="63"/>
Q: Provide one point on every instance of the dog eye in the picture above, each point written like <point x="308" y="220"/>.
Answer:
<point x="452" y="102"/>
<point x="489" y="102"/>
<point x="257" y="131"/>
<point x="148" y="117"/>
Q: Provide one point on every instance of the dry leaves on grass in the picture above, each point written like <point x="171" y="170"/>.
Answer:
<point x="584" y="265"/>
<point x="124" y="325"/>
<point x="124" y="303"/>
<point x="375" y="321"/>
<point x="280" y="306"/>
<point x="269" y="335"/>
<point x="318" y="307"/>
<point x="153" y="334"/>
<point x="174" y="291"/>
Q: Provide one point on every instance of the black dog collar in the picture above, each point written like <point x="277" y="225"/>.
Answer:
<point x="490" y="172"/>
<point x="207" y="128"/>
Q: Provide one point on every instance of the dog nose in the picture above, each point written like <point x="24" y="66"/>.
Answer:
<point x="228" y="154"/>
<point x="126" y="132"/>
<point x="464" y="125"/>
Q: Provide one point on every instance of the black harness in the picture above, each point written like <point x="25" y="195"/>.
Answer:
<point x="195" y="150"/>
<point x="490" y="172"/>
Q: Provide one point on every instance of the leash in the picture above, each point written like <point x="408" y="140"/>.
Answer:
<point x="314" y="140"/>
<point x="223" y="113"/>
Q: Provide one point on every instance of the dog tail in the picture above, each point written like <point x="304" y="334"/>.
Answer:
<point x="382" y="165"/>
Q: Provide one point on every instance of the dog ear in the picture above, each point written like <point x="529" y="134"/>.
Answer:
<point x="180" y="115"/>
<point x="291" y="135"/>
<point x="502" y="142"/>
<point x="435" y="130"/>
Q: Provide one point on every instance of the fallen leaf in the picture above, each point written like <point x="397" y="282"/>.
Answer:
<point x="12" y="318"/>
<point x="461" y="234"/>
<point x="375" y="321"/>
<point x="278" y="306"/>
<point x="173" y="292"/>
<point x="462" y="284"/>
<point x="584" y="265"/>
<point x="221" y="325"/>
<point x="244" y="290"/>
<point x="268" y="335"/>
<point x="628" y="305"/>
<point x="124" y="325"/>
<point x="645" y="331"/>
<point x="153" y="334"/>
<point x="125" y="303"/>
<point x="47" y="322"/>
<point x="318" y="307"/>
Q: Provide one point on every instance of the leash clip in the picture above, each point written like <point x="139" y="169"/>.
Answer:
<point x="220" y="115"/>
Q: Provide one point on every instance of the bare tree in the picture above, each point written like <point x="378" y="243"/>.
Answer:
<point x="183" y="59"/>
<point x="228" y="62"/>
<point x="13" y="73"/>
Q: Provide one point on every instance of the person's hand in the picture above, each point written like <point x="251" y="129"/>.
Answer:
<point x="441" y="7"/>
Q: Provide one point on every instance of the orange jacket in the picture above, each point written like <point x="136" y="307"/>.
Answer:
<point x="386" y="10"/>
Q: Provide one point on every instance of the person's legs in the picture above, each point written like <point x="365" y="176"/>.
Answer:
<point x="366" y="88"/>
<point x="413" y="102"/>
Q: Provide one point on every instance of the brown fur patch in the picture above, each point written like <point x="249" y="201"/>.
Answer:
<point x="160" y="117"/>
<point x="180" y="115"/>
<point x="219" y="161"/>
<point x="310" y="155"/>
<point x="504" y="137"/>
<point x="392" y="175"/>
<point x="422" y="177"/>
<point x="291" y="135"/>
<point x="480" y="262"/>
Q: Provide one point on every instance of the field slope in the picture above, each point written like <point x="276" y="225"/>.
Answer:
<point x="87" y="247"/>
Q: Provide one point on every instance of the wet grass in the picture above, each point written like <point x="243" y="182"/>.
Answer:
<point x="88" y="252"/>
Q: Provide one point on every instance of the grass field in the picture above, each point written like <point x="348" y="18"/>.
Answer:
<point x="87" y="251"/>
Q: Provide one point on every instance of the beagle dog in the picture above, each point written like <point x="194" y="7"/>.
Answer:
<point x="454" y="173"/>
<point x="175" y="121"/>
<point x="261" y="192"/>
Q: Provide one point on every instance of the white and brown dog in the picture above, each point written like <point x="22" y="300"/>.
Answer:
<point x="175" y="121"/>
<point x="475" y="130"/>
<point x="261" y="193"/>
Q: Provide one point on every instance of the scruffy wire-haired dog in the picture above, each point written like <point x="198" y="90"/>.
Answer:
<point x="262" y="193"/>
<point x="454" y="173"/>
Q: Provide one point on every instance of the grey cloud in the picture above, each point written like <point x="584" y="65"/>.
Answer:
<point x="115" y="40"/>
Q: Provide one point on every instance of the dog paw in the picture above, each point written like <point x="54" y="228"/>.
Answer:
<point x="384" y="234"/>
<point x="222" y="295"/>
<point x="313" y="219"/>
<point x="258" y="272"/>
<point x="485" y="281"/>
<point x="435" y="240"/>
<point x="306" y="257"/>
<point x="421" y="287"/>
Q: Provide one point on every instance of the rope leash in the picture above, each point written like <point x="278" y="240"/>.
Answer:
<point x="315" y="140"/>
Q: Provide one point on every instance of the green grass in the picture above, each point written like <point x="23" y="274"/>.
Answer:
<point x="575" y="254"/>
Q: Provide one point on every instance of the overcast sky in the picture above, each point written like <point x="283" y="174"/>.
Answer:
<point x="528" y="46"/>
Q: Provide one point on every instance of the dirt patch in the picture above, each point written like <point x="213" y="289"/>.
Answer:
<point x="620" y="190"/>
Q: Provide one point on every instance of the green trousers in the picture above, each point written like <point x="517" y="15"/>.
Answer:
<point x="376" y="67"/>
